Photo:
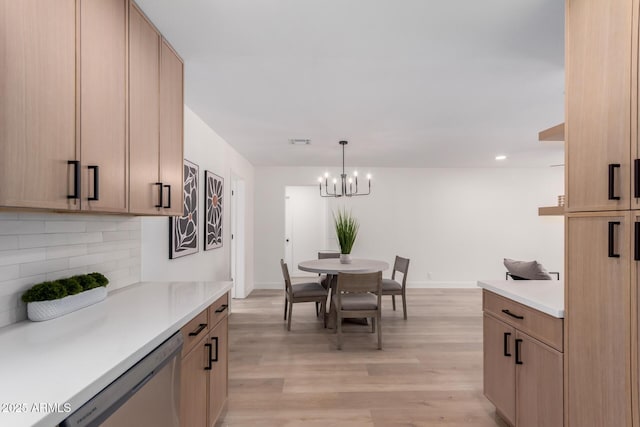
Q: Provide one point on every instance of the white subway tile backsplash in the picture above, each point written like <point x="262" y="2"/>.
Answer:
<point x="35" y="247"/>
<point x="65" y="227"/>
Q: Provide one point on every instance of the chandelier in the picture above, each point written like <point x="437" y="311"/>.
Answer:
<point x="348" y="185"/>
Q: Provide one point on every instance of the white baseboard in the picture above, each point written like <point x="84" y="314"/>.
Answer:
<point x="418" y="285"/>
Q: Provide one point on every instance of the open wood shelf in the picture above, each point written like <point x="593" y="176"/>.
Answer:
<point x="555" y="133"/>
<point x="551" y="210"/>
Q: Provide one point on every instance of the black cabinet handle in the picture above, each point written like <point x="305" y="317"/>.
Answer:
<point x="215" y="358"/>
<point x="518" y="342"/>
<point x="222" y="308"/>
<point x="76" y="179"/>
<point x="159" y="184"/>
<point x="197" y="331"/>
<point x="208" y="368"/>
<point x="636" y="178"/>
<point x="636" y="243"/>
<point x="96" y="183"/>
<point x="612" y="225"/>
<point x="612" y="181"/>
<point x="508" y="313"/>
<point x="168" y="205"/>
<point x="506" y="344"/>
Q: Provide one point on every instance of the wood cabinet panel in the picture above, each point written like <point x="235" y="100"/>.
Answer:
<point x="598" y="320"/>
<point x="144" y="114"/>
<point x="219" y="309"/>
<point x="103" y="101"/>
<point x="194" y="386"/>
<point x="499" y="366"/>
<point x="539" y="397"/>
<point x="219" y="374"/>
<point x="37" y="103"/>
<point x="598" y="103"/>
<point x="171" y="129"/>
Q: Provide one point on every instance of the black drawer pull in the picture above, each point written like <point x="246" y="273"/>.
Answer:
<point x="76" y="179"/>
<point x="222" y="308"/>
<point x="636" y="243"/>
<point x="518" y="360"/>
<point x="612" y="181"/>
<point x="612" y="229"/>
<point x="159" y="184"/>
<point x="197" y="331"/>
<point x="208" y="368"/>
<point x="636" y="178"/>
<point x="96" y="182"/>
<point x="508" y="313"/>
<point x="215" y="358"/>
<point x="506" y="344"/>
<point x="168" y="205"/>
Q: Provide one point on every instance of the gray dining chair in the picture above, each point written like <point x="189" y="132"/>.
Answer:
<point x="301" y="292"/>
<point x="358" y="295"/>
<point x="393" y="287"/>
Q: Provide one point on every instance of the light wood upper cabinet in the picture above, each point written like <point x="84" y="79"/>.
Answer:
<point x="144" y="114"/>
<point x="171" y="129"/>
<point x="499" y="367"/>
<point x="598" y="320"/>
<point x="103" y="102"/>
<point x="598" y="105"/>
<point x="37" y="103"/>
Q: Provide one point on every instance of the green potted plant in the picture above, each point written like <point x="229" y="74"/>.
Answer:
<point x="48" y="300"/>
<point x="346" y="231"/>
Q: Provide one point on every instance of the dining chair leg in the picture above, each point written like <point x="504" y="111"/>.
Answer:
<point x="379" y="331"/>
<point x="393" y="299"/>
<point x="404" y="305"/>
<point x="324" y="313"/>
<point x="285" y="308"/>
<point x="339" y="331"/>
<point x="317" y="311"/>
<point x="289" y="321"/>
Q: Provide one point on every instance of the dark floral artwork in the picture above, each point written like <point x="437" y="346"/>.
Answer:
<point x="214" y="195"/>
<point x="183" y="230"/>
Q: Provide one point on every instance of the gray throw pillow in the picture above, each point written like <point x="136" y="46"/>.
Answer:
<point x="531" y="270"/>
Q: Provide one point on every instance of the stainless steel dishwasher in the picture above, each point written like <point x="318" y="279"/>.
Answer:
<point x="148" y="394"/>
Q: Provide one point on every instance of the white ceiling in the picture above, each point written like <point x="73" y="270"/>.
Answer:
<point x="409" y="83"/>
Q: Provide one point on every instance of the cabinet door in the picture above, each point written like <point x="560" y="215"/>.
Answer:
<point x="194" y="386"/>
<point x="37" y="103"/>
<point x="499" y="366"/>
<point x="103" y="100"/>
<point x="144" y="115"/>
<point x="598" y="109"/>
<point x="597" y="320"/>
<point x="539" y="392"/>
<point x="171" y="129"/>
<point x="219" y="374"/>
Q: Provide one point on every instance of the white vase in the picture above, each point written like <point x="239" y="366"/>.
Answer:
<point x="345" y="258"/>
<point x="45" y="310"/>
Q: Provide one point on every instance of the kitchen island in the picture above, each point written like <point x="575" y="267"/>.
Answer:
<point x="49" y="369"/>
<point x="523" y="343"/>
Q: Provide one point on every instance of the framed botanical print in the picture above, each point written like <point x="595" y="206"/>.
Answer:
<point x="183" y="230"/>
<point x="214" y="207"/>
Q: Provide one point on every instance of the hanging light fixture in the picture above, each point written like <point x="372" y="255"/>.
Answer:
<point x="348" y="185"/>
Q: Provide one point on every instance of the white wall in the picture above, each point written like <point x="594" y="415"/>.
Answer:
<point x="35" y="247"/>
<point x="456" y="225"/>
<point x="209" y="151"/>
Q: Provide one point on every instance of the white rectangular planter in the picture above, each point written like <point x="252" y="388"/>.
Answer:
<point x="46" y="310"/>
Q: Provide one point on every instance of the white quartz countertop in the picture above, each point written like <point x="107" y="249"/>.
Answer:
<point x="69" y="359"/>
<point x="546" y="296"/>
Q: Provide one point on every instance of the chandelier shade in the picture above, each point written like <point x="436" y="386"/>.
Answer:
<point x="348" y="184"/>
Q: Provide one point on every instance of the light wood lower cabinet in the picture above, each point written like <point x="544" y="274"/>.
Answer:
<point x="205" y="366"/>
<point x="523" y="377"/>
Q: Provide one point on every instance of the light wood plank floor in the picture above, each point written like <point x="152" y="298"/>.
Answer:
<point x="429" y="372"/>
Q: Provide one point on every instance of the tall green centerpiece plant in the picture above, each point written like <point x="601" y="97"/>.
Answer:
<point x="346" y="231"/>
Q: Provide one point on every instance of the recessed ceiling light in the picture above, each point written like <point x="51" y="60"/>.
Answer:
<point x="501" y="157"/>
<point x="299" y="141"/>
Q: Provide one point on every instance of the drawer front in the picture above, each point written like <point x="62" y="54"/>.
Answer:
<point x="545" y="328"/>
<point x="219" y="309"/>
<point x="193" y="331"/>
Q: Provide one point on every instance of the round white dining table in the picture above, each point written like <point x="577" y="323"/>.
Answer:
<point x="334" y="266"/>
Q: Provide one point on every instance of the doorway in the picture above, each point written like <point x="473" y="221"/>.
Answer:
<point x="237" y="219"/>
<point x="305" y="226"/>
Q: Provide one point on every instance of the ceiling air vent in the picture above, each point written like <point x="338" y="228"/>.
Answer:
<point x="299" y="141"/>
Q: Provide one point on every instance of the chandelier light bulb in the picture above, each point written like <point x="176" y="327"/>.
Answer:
<point x="335" y="180"/>
<point x="320" y="179"/>
<point x="355" y="173"/>
<point x="350" y="180"/>
<point x="326" y="174"/>
<point x="368" y="176"/>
